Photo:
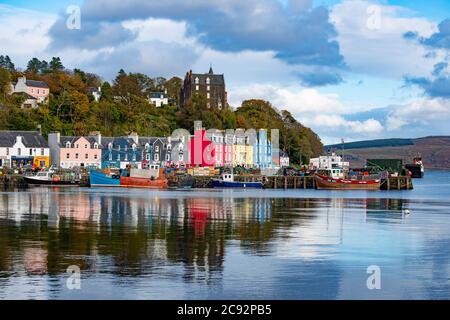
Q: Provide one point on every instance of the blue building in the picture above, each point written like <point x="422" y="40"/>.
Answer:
<point x="262" y="152"/>
<point x="118" y="152"/>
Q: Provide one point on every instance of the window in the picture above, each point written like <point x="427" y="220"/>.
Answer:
<point x="19" y="151"/>
<point x="67" y="155"/>
<point x="156" y="148"/>
<point x="208" y="81"/>
<point x="7" y="151"/>
<point x="197" y="88"/>
<point x="208" y="95"/>
<point x="110" y="146"/>
<point x="156" y="157"/>
<point x="43" y="91"/>
<point x="208" y="88"/>
<point x="42" y="151"/>
<point x="31" y="152"/>
<point x="196" y="80"/>
<point x="78" y="146"/>
<point x="134" y="157"/>
<point x="167" y="157"/>
<point x="147" y="157"/>
<point x="96" y="145"/>
<point x="110" y="157"/>
<point x="67" y="144"/>
<point x="32" y="90"/>
<point x="76" y="155"/>
<point x="86" y="156"/>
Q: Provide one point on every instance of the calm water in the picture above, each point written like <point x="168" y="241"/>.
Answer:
<point x="273" y="244"/>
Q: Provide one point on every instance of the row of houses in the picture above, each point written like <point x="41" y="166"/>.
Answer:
<point x="203" y="149"/>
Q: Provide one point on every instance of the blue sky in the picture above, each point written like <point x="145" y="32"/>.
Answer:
<point x="346" y="68"/>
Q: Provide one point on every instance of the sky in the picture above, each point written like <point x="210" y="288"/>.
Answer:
<point x="348" y="69"/>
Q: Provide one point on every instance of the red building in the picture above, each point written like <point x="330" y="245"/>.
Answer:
<point x="202" y="153"/>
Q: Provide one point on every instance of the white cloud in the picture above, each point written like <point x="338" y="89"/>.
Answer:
<point x="421" y="112"/>
<point x="23" y="33"/>
<point x="377" y="47"/>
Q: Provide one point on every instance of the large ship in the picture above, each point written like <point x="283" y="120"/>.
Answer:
<point x="152" y="178"/>
<point x="416" y="168"/>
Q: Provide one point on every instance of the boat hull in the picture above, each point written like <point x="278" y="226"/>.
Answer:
<point x="236" y="185"/>
<point x="99" y="179"/>
<point x="326" y="183"/>
<point x="60" y="183"/>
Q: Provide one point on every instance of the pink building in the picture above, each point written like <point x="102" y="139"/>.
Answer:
<point x="223" y="147"/>
<point x="38" y="90"/>
<point x="70" y="152"/>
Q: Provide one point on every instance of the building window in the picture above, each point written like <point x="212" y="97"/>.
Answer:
<point x="95" y="156"/>
<point x="85" y="146"/>
<point x="42" y="151"/>
<point x="208" y="81"/>
<point x="208" y="95"/>
<point x="31" y="152"/>
<point x="156" y="157"/>
<point x="156" y="148"/>
<point x="67" y="155"/>
<point x="196" y="80"/>
<point x="76" y="155"/>
<point x="197" y="88"/>
<point x="95" y="145"/>
<point x="147" y="157"/>
<point x="86" y="156"/>
<point x="208" y="88"/>
<point x="78" y="146"/>
<point x="7" y="151"/>
<point x="19" y="151"/>
<point x="110" y="146"/>
<point x="67" y="144"/>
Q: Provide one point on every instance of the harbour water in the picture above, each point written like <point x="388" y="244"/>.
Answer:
<point x="226" y="244"/>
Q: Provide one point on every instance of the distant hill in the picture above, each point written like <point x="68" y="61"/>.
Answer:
<point x="435" y="151"/>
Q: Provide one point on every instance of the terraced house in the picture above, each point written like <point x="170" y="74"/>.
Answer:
<point x="71" y="152"/>
<point x="120" y="152"/>
<point x="19" y="149"/>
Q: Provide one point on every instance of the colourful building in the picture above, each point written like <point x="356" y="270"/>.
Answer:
<point x="20" y="149"/>
<point x="70" y="152"/>
<point x="262" y="155"/>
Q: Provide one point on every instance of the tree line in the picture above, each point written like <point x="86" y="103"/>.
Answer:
<point x="124" y="107"/>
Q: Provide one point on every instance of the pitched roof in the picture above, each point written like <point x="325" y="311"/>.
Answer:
<point x="157" y="95"/>
<point x="31" y="139"/>
<point x="35" y="83"/>
<point x="214" y="79"/>
<point x="72" y="139"/>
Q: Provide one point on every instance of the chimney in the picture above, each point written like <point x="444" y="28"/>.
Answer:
<point x="97" y="135"/>
<point x="39" y="129"/>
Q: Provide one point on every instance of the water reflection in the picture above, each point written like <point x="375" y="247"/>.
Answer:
<point x="194" y="239"/>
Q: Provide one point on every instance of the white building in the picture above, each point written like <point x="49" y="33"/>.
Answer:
<point x="159" y="99"/>
<point x="332" y="163"/>
<point x="95" y="92"/>
<point x="20" y="149"/>
<point x="284" y="159"/>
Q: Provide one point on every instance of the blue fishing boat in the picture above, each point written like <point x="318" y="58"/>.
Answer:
<point x="101" y="179"/>
<point x="227" y="181"/>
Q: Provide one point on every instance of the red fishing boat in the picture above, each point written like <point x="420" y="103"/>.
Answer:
<point x="328" y="183"/>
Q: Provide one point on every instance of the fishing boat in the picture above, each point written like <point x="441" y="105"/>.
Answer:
<point x="416" y="168"/>
<point x="49" y="178"/>
<point x="227" y="181"/>
<point x="324" y="182"/>
<point x="130" y="178"/>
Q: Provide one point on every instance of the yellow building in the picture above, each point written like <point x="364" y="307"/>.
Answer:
<point x="249" y="155"/>
<point x="41" y="161"/>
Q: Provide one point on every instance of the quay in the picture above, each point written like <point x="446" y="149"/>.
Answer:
<point x="269" y="182"/>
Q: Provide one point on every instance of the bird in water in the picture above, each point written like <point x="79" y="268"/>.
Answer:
<point x="407" y="212"/>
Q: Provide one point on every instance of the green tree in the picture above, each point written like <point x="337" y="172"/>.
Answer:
<point x="34" y="65"/>
<point x="56" y="64"/>
<point x="6" y="63"/>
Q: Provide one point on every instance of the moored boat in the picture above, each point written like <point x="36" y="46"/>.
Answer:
<point x="328" y="183"/>
<point x="130" y="178"/>
<point x="227" y="181"/>
<point x="49" y="178"/>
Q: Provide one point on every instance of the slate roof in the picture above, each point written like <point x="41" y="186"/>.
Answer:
<point x="73" y="139"/>
<point x="31" y="139"/>
<point x="35" y="83"/>
<point x="157" y="95"/>
<point x="215" y="79"/>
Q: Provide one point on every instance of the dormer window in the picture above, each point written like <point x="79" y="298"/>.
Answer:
<point x="67" y="144"/>
<point x="208" y="81"/>
<point x="110" y="146"/>
<point x="147" y="147"/>
<point x="95" y="145"/>
<point x="197" y="80"/>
